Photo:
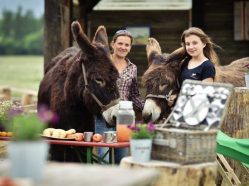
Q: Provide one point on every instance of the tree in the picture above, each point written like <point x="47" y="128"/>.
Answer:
<point x="21" y="33"/>
<point x="6" y="24"/>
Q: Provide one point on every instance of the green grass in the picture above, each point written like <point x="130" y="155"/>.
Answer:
<point x="24" y="72"/>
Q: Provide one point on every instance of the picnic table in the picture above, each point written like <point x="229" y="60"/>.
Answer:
<point x="90" y="156"/>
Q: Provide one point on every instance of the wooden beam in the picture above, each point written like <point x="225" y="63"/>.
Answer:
<point x="57" y="32"/>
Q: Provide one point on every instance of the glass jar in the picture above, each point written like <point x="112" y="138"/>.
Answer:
<point x="126" y="116"/>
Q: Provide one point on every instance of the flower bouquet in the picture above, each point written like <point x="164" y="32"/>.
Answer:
<point x="141" y="142"/>
<point x="142" y="131"/>
<point x="27" y="126"/>
<point x="26" y="150"/>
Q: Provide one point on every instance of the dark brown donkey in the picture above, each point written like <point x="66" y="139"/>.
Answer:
<point x="80" y="83"/>
<point x="160" y="79"/>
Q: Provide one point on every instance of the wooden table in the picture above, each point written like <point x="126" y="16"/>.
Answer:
<point x="75" y="174"/>
<point x="91" y="157"/>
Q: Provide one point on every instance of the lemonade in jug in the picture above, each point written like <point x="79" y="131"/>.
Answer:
<point x="126" y="116"/>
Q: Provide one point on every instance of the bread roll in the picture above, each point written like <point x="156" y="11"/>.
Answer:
<point x="62" y="133"/>
<point x="48" y="132"/>
<point x="71" y="131"/>
<point x="56" y="133"/>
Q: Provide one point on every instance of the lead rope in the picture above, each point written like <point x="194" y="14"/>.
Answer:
<point x="87" y="88"/>
<point x="165" y="123"/>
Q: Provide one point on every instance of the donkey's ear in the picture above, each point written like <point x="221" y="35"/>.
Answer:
<point x="81" y="38"/>
<point x="101" y="37"/>
<point x="153" y="49"/>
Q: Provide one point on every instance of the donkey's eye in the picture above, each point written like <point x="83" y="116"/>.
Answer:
<point x="100" y="82"/>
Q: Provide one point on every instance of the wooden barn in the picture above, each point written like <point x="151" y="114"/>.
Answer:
<point x="225" y="21"/>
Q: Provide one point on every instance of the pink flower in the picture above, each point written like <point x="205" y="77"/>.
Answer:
<point x="150" y="127"/>
<point x="47" y="115"/>
<point x="133" y="128"/>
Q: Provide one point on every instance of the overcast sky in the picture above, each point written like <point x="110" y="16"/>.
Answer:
<point x="37" y="6"/>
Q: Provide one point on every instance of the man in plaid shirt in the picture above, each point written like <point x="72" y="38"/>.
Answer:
<point x="127" y="84"/>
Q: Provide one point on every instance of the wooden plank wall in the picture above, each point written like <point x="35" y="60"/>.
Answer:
<point x="165" y="26"/>
<point x="219" y="25"/>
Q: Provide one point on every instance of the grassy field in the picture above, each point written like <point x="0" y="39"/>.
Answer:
<point x="24" y="72"/>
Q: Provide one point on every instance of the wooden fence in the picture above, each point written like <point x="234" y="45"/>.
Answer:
<point x="24" y="97"/>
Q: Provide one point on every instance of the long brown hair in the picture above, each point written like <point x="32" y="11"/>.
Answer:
<point x="208" y="50"/>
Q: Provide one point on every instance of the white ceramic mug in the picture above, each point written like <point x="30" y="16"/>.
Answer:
<point x="110" y="137"/>
<point x="88" y="136"/>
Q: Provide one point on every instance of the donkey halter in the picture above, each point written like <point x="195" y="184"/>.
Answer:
<point x="102" y="106"/>
<point x="167" y="96"/>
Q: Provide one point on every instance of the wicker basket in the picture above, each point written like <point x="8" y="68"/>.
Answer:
<point x="184" y="146"/>
<point x="186" y="138"/>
